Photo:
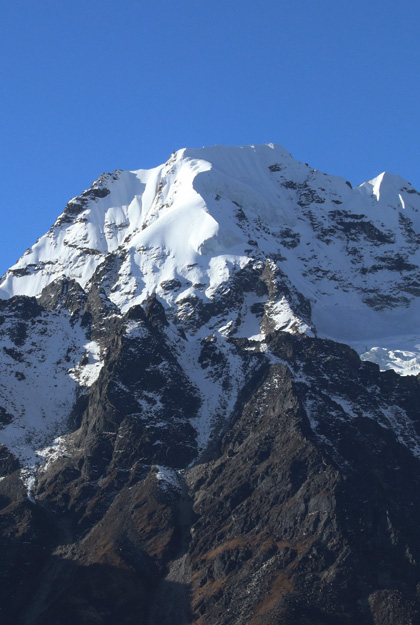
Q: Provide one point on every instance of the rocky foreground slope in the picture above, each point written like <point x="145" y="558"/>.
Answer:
<point x="187" y="434"/>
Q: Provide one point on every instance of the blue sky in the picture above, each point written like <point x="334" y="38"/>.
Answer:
<point x="95" y="85"/>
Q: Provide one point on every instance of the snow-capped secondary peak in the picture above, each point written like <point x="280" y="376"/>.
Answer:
<point x="386" y="186"/>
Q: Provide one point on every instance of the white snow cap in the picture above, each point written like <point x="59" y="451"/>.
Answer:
<point x="208" y="212"/>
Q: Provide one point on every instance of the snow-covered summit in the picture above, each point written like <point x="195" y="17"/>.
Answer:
<point x="172" y="208"/>
<point x="183" y="230"/>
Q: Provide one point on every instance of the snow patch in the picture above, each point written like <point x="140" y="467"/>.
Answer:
<point x="283" y="317"/>
<point x="87" y="370"/>
<point x="403" y="361"/>
<point x="168" y="478"/>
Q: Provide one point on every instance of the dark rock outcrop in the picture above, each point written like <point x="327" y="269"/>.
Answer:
<point x="306" y="510"/>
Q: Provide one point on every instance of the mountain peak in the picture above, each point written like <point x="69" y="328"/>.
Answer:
<point x="193" y="414"/>
<point x="387" y="186"/>
<point x="208" y="213"/>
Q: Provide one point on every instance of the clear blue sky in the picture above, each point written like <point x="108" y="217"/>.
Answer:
<point x="93" y="85"/>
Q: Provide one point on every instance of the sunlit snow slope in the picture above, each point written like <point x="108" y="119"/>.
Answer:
<point x="183" y="229"/>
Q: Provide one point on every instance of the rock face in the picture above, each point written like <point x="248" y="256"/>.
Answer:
<point x="305" y="526"/>
<point x="181" y="440"/>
